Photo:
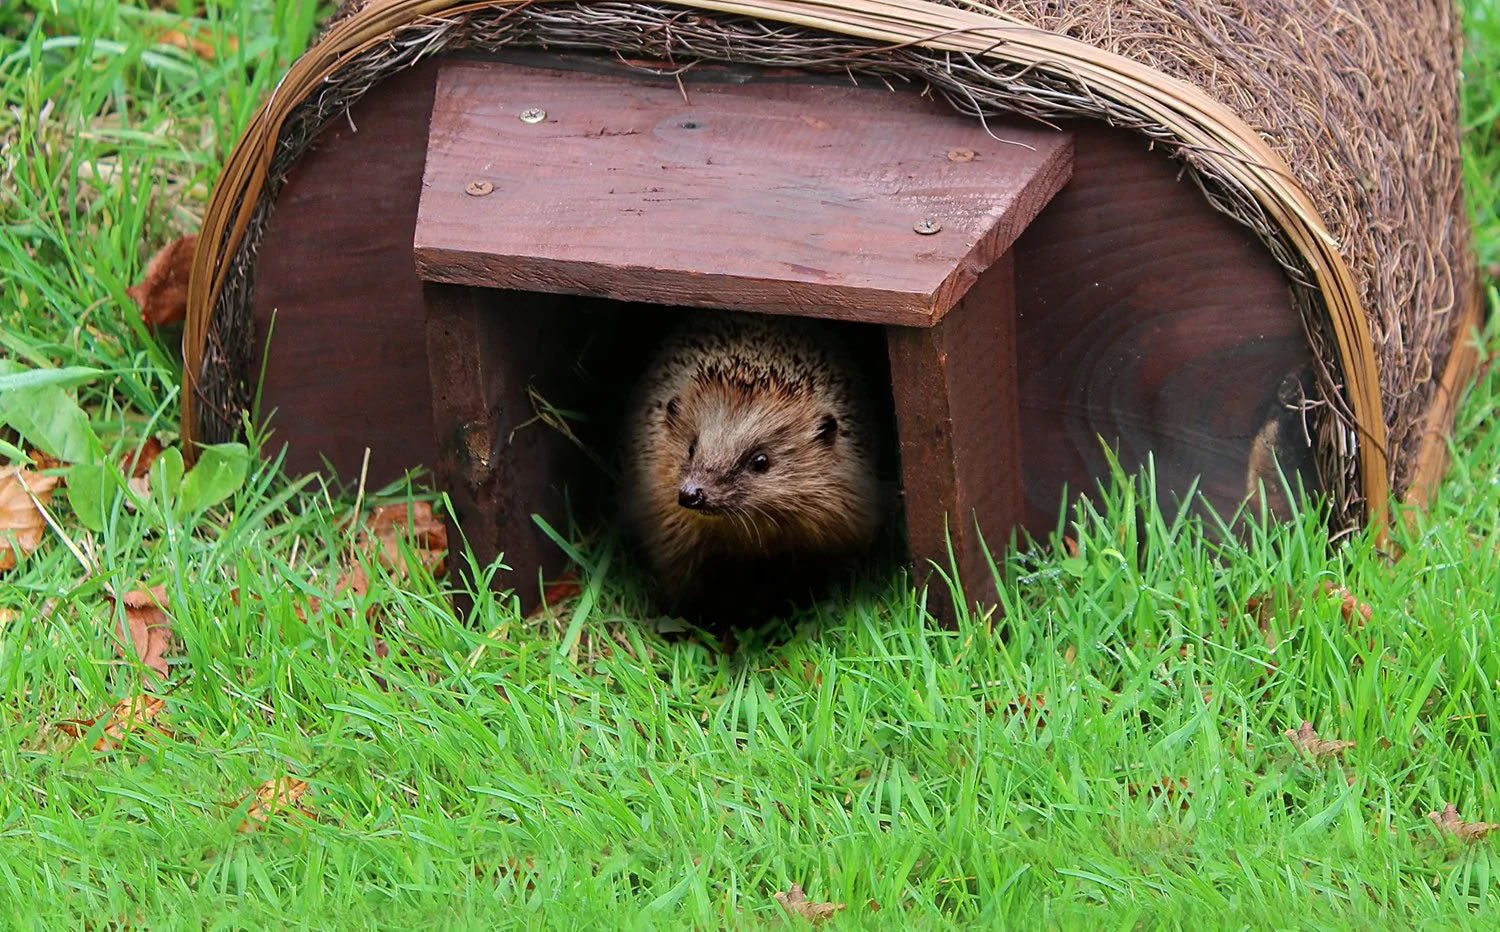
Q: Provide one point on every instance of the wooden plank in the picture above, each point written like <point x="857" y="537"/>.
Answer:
<point x="781" y="198"/>
<point x="347" y="366"/>
<point x="1148" y="319"/>
<point x="498" y="464"/>
<point x="954" y="387"/>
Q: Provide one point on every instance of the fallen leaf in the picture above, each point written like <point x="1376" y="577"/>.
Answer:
<point x="273" y="797"/>
<point x="563" y="588"/>
<point x="356" y="580"/>
<point x="124" y="717"/>
<point x="510" y="869"/>
<point x="196" y="44"/>
<point x="1307" y="742"/>
<point x="41" y="462"/>
<point x="1448" y="821"/>
<point x="1263" y="609"/>
<point x="555" y="595"/>
<point x="388" y="523"/>
<point x="162" y="293"/>
<point x="1031" y="708"/>
<point x="1355" y="612"/>
<point x="1166" y="788"/>
<point x="137" y="464"/>
<point x="150" y="626"/>
<point x="21" y="522"/>
<point x="794" y="901"/>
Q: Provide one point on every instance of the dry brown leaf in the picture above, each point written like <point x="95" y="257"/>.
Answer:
<point x="199" y="46"/>
<point x="41" y="462"/>
<point x="162" y="293"/>
<point x="21" y="523"/>
<point x="1355" y="612"/>
<point x="273" y="797"/>
<point x="1167" y="788"/>
<point x="389" y="523"/>
<point x="356" y="580"/>
<point x="150" y="626"/>
<point x="137" y="463"/>
<point x="1449" y="822"/>
<point x="126" y="716"/>
<point x="1307" y="742"/>
<point x="556" y="594"/>
<point x="795" y="902"/>
<point x="1031" y="708"/>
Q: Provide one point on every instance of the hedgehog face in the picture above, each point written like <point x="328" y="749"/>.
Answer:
<point x="750" y="454"/>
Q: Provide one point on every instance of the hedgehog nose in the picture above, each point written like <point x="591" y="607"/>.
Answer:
<point x="691" y="496"/>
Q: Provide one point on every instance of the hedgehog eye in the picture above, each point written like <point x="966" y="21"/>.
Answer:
<point x="759" y="462"/>
<point x="828" y="428"/>
<point x="672" y="408"/>
<point x="693" y="448"/>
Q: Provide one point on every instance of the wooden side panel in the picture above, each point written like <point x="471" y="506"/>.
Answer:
<point x="954" y="387"/>
<point x="498" y="462"/>
<point x="1149" y="320"/>
<point x="347" y="366"/>
<point x="784" y="198"/>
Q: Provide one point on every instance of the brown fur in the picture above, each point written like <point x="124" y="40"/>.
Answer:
<point x="723" y="388"/>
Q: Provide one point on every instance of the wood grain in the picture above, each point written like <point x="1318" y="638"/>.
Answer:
<point x="1150" y="321"/>
<point x="783" y="198"/>
<point x="954" y="387"/>
<point x="498" y="463"/>
<point x="347" y="365"/>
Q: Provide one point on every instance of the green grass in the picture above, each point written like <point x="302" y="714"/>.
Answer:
<point x="485" y="774"/>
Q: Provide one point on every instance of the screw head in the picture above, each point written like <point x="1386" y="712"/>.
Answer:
<point x="960" y="155"/>
<point x="533" y="115"/>
<point x="927" y="226"/>
<point x="478" y="188"/>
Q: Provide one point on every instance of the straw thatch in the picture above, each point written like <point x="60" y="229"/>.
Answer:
<point x="1329" y="128"/>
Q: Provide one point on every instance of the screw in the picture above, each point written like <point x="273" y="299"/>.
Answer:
<point x="478" y="188"/>
<point x="533" y="115"/>
<point x="960" y="155"/>
<point x="689" y="124"/>
<point x="927" y="226"/>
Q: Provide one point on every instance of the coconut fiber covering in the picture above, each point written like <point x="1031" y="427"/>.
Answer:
<point x="1328" y="127"/>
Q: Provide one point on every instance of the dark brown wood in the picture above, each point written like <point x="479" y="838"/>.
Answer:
<point x="347" y="367"/>
<point x="498" y="463"/>
<point x="784" y="198"/>
<point x="1148" y="319"/>
<point x="954" y="387"/>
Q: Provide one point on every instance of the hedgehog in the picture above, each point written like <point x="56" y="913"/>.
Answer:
<point x="749" y="457"/>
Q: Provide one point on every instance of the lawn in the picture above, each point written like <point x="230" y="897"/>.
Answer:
<point x="1116" y="755"/>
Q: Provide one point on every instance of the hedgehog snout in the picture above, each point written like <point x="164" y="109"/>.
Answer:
<point x="691" y="495"/>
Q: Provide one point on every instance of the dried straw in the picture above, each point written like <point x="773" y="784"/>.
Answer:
<point x="1329" y="130"/>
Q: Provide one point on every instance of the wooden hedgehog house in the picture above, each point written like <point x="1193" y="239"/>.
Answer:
<point x="1229" y="237"/>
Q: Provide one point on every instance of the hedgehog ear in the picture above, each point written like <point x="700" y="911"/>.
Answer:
<point x="828" y="428"/>
<point x="672" y="408"/>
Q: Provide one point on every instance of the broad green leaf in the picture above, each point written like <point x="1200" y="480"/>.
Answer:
<point x="50" y="420"/>
<point x="34" y="403"/>
<point x="42" y="378"/>
<point x="91" y="490"/>
<point x="218" y="474"/>
<point x="166" y="473"/>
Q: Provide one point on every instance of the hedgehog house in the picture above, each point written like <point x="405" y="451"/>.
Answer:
<point x="1187" y="230"/>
